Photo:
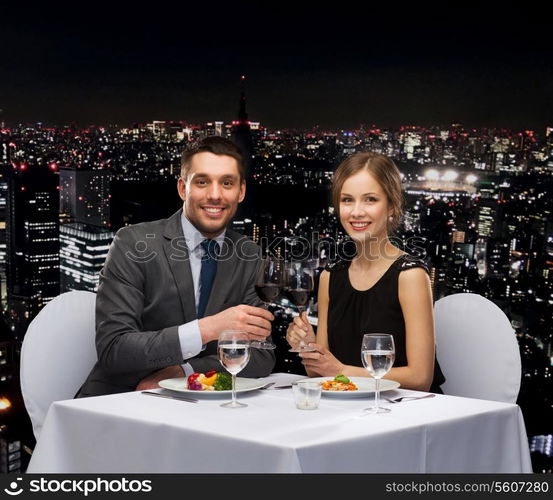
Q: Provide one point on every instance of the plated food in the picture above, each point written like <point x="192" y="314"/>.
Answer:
<point x="180" y="384"/>
<point x="210" y="381"/>
<point x="339" y="383"/>
<point x="365" y="386"/>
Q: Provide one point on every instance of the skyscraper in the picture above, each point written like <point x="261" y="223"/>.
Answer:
<point x="241" y="131"/>
<point x="85" y="196"/>
<point x="3" y="234"/>
<point x="5" y="166"/>
<point x="241" y="135"/>
<point x="84" y="227"/>
<point x="32" y="243"/>
<point x="4" y="150"/>
<point x="83" y="250"/>
<point x="489" y="217"/>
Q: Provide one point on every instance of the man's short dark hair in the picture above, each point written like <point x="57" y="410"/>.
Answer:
<point x="216" y="145"/>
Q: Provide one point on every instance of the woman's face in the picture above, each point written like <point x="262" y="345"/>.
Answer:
<point x="364" y="208"/>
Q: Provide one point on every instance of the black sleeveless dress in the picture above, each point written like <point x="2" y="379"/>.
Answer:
<point x="352" y="313"/>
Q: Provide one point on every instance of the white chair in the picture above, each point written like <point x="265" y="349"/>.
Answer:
<point x="58" y="353"/>
<point x="477" y="348"/>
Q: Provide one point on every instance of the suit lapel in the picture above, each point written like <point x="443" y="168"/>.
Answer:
<point x="176" y="253"/>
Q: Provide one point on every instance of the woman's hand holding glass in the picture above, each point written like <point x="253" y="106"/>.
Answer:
<point x="298" y="287"/>
<point x="300" y="333"/>
<point x="321" y="362"/>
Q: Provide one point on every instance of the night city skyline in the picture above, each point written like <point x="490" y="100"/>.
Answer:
<point x="476" y="202"/>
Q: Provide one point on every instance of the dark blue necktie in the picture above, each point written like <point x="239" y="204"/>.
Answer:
<point x="207" y="274"/>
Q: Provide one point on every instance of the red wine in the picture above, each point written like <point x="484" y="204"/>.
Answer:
<point x="268" y="292"/>
<point x="298" y="296"/>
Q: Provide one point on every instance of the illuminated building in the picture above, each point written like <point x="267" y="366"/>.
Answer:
<point x="458" y="237"/>
<point x="159" y="129"/>
<point x="3" y="234"/>
<point x="10" y="446"/>
<point x="84" y="233"/>
<point x="448" y="184"/>
<point x="489" y="218"/>
<point x="10" y="450"/>
<point x="85" y="197"/>
<point x="5" y="159"/>
<point x="349" y="144"/>
<point x="83" y="250"/>
<point x="480" y="254"/>
<point x="438" y="282"/>
<point x="499" y="255"/>
<point x="32" y="243"/>
<point x="411" y="141"/>
<point x="4" y="151"/>
<point x="8" y="366"/>
<point x="213" y="129"/>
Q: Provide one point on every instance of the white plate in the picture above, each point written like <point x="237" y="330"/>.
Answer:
<point x="365" y="386"/>
<point x="181" y="385"/>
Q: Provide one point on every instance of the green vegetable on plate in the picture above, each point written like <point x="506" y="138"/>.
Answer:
<point x="223" y="382"/>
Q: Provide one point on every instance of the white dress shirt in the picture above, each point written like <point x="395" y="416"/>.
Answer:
<point x="189" y="333"/>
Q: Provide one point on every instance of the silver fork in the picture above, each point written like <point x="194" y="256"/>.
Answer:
<point x="410" y="398"/>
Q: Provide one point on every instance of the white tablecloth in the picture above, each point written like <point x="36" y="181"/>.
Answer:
<point x="130" y="432"/>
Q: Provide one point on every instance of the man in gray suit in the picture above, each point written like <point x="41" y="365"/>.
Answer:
<point x="170" y="286"/>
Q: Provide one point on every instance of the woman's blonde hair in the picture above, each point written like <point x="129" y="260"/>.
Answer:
<point x="384" y="170"/>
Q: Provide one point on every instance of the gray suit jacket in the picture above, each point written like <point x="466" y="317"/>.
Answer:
<point x="146" y="291"/>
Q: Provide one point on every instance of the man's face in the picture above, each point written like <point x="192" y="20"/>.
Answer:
<point x="211" y="192"/>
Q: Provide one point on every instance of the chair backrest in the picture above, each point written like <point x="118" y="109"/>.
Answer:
<point x="477" y="348"/>
<point x="58" y="353"/>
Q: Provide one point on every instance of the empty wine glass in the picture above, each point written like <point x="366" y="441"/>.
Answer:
<point x="377" y="354"/>
<point x="298" y="288"/>
<point x="268" y="286"/>
<point x="233" y="347"/>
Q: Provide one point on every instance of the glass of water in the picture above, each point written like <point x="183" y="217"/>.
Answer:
<point x="233" y="347"/>
<point x="377" y="354"/>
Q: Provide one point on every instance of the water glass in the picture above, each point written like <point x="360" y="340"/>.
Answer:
<point x="377" y="354"/>
<point x="233" y="347"/>
<point x="307" y="394"/>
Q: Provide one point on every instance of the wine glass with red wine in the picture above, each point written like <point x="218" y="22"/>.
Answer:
<point x="268" y="286"/>
<point x="298" y="289"/>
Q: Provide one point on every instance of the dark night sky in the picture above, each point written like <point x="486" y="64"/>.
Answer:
<point x="336" y="66"/>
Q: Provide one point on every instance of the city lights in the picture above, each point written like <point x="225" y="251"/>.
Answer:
<point x="5" y="404"/>
<point x="450" y="175"/>
<point x="432" y="175"/>
<point x="477" y="201"/>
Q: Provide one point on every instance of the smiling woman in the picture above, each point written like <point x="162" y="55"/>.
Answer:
<point x="382" y="290"/>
